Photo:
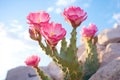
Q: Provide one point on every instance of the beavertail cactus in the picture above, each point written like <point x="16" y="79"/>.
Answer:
<point x="66" y="58"/>
<point x="91" y="64"/>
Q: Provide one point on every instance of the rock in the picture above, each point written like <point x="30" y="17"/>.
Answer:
<point x="22" y="73"/>
<point x="45" y="69"/>
<point x="109" y="36"/>
<point x="81" y="49"/>
<point x="100" y="47"/>
<point x="100" y="51"/>
<point x="111" y="71"/>
<point x="80" y="53"/>
<point x="116" y="25"/>
<point x="112" y="51"/>
<point x="25" y="73"/>
<point x="28" y="73"/>
<point x="55" y="72"/>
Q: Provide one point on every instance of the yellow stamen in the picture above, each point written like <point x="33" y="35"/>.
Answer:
<point x="38" y="20"/>
<point x="52" y="33"/>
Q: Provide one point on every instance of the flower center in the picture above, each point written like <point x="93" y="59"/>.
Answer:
<point x="52" y="33"/>
<point x="38" y="20"/>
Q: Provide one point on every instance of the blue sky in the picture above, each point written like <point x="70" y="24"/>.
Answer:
<point x="15" y="44"/>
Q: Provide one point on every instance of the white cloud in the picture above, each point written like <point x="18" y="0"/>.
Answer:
<point x="116" y="17"/>
<point x="2" y="32"/>
<point x="59" y="5"/>
<point x="9" y="48"/>
<point x="15" y="26"/>
<point x="58" y="10"/>
<point x="64" y="2"/>
<point x="50" y="9"/>
<point x="15" y="21"/>
<point x="86" y="5"/>
<point x="15" y="50"/>
<point x="55" y="10"/>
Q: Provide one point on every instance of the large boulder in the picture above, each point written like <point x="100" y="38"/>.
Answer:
<point x="110" y="59"/>
<point x="101" y="52"/>
<point x="111" y="71"/>
<point x="55" y="72"/>
<point x="80" y="53"/>
<point x="109" y="35"/>
<point x="25" y="73"/>
<point x="22" y="73"/>
<point x="111" y="52"/>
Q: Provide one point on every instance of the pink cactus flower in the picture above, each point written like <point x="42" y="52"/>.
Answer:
<point x="53" y="33"/>
<point x="32" y="61"/>
<point x="90" y="31"/>
<point x="74" y="15"/>
<point x="38" y="18"/>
